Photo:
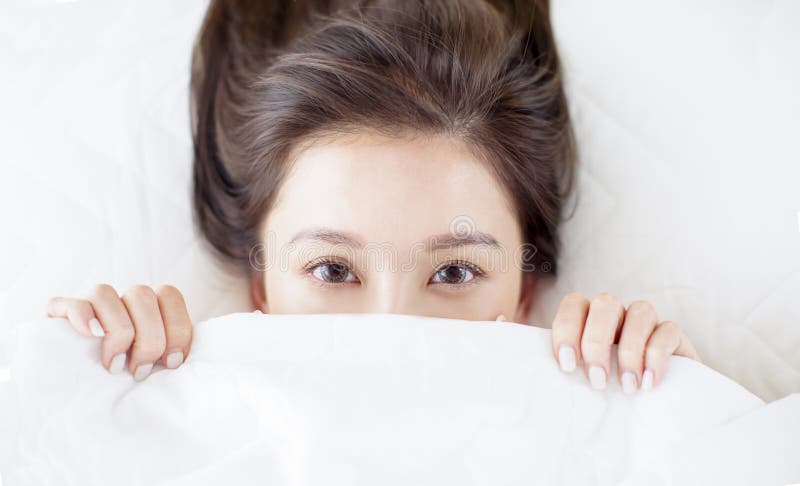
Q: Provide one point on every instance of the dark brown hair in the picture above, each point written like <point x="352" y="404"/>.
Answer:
<point x="270" y="75"/>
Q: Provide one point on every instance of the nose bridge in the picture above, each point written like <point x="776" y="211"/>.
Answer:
<point x="386" y="294"/>
<point x="391" y="292"/>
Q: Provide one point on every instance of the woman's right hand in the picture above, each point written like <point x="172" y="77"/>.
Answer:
<point x="153" y="325"/>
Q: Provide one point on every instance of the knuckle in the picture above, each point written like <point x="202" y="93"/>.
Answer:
<point x="103" y="292"/>
<point x="606" y="299"/>
<point x="641" y="307"/>
<point x="140" y="293"/>
<point x="168" y="291"/>
<point x="670" y="326"/>
<point x="575" y="296"/>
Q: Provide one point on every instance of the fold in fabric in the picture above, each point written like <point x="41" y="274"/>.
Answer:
<point x="367" y="399"/>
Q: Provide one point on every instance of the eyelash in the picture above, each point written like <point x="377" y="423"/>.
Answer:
<point x="311" y="266"/>
<point x="477" y="272"/>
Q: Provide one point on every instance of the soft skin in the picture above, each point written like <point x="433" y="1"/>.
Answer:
<point x="412" y="224"/>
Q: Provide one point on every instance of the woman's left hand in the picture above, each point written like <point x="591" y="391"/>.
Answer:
<point x="585" y="331"/>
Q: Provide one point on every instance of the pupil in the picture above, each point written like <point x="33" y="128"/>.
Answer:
<point x="335" y="272"/>
<point x="453" y="274"/>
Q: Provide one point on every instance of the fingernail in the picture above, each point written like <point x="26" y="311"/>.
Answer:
<point x="96" y="328"/>
<point x="501" y="318"/>
<point x="647" y="380"/>
<point x="566" y="358"/>
<point x="597" y="377"/>
<point x="142" y="371"/>
<point x="628" y="382"/>
<point x="117" y="363"/>
<point x="174" y="359"/>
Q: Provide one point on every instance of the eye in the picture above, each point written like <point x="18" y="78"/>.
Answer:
<point x="331" y="272"/>
<point x="457" y="273"/>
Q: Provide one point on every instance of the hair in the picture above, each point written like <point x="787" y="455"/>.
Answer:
<point x="268" y="76"/>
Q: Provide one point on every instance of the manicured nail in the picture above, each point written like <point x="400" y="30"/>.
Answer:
<point x="647" y="380"/>
<point x="142" y="371"/>
<point x="566" y="358"/>
<point x="174" y="359"/>
<point x="628" y="382"/>
<point x="597" y="377"/>
<point x="96" y="328"/>
<point x="117" y="363"/>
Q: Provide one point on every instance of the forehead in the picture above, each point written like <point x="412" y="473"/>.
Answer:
<point x="400" y="189"/>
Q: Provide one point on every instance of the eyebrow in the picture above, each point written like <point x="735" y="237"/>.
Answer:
<point x="436" y="242"/>
<point x="328" y="235"/>
<point x="450" y="240"/>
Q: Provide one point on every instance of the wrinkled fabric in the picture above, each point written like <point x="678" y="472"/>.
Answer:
<point x="366" y="399"/>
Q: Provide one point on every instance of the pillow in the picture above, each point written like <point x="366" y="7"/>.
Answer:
<point x="685" y="114"/>
<point x="379" y="399"/>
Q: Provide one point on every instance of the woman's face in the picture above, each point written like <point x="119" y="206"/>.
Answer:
<point x="367" y="223"/>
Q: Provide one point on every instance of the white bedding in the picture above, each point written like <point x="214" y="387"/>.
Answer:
<point x="379" y="399"/>
<point x="686" y="114"/>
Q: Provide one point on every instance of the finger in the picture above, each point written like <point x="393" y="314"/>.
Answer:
<point x="567" y="329"/>
<point x="177" y="325"/>
<point x="119" y="329"/>
<point x="149" y="342"/>
<point x="640" y="320"/>
<point x="667" y="339"/>
<point x="605" y="317"/>
<point x="78" y="312"/>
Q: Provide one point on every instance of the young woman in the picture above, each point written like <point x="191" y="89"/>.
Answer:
<point x="402" y="156"/>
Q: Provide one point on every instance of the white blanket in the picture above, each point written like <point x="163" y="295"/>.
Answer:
<point x="378" y="400"/>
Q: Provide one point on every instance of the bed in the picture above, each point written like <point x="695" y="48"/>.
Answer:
<point x="686" y="115"/>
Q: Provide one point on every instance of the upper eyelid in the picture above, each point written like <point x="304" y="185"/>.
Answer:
<point x="327" y="260"/>
<point x="335" y="260"/>
<point x="465" y="263"/>
<point x="308" y="268"/>
<point x="330" y="260"/>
